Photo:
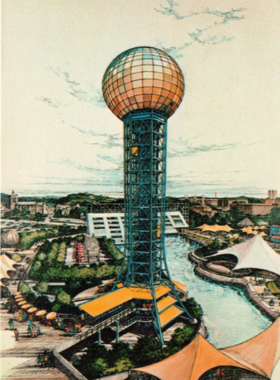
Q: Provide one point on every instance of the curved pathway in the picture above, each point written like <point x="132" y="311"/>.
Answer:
<point x="19" y="359"/>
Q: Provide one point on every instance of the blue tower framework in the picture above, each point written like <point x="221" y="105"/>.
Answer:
<point x="143" y="87"/>
<point x="144" y="184"/>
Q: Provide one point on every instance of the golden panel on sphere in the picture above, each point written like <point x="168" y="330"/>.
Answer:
<point x="143" y="78"/>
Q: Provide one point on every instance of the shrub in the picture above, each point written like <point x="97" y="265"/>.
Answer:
<point x="43" y="303"/>
<point x="52" y="254"/>
<point x="42" y="287"/>
<point x="123" y="365"/>
<point x="41" y="256"/>
<point x="16" y="257"/>
<point x="119" y="352"/>
<point x="56" y="306"/>
<point x="36" y="266"/>
<point x="63" y="297"/>
<point x="24" y="289"/>
<point x="113" y="250"/>
<point x="193" y="308"/>
<point x="181" y="338"/>
<point x="146" y="351"/>
<point x="31" y="298"/>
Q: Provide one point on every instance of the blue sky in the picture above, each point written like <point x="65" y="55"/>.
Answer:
<point x="58" y="135"/>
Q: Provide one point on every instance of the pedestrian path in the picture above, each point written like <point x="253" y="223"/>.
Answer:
<point x="19" y="359"/>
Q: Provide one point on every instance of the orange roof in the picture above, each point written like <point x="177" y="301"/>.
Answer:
<point x="249" y="230"/>
<point x="161" y="291"/>
<point x="141" y="293"/>
<point x="192" y="362"/>
<point x="180" y="286"/>
<point x="21" y="303"/>
<point x="27" y="306"/>
<point x="165" y="302"/>
<point x="145" y="294"/>
<point x="215" y="228"/>
<point x="32" y="310"/>
<point x="169" y="314"/>
<point x="107" y="302"/>
<point x="51" y="315"/>
<point x="263" y="350"/>
<point x="40" y="313"/>
<point x="110" y="281"/>
<point x="113" y="299"/>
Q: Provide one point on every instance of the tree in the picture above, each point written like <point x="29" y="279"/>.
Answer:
<point x="123" y="365"/>
<point x="30" y="298"/>
<point x="42" y="287"/>
<point x="192" y="223"/>
<point x="63" y="297"/>
<point x="216" y="245"/>
<point x="41" y="256"/>
<point x="181" y="338"/>
<point x="25" y="212"/>
<point x="43" y="303"/>
<point x="194" y="308"/>
<point x="146" y="351"/>
<point x="119" y="351"/>
<point x="24" y="289"/>
<point x="39" y="217"/>
<point x="36" y="266"/>
<point x="274" y="217"/>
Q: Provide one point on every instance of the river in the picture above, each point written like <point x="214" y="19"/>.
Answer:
<point x="229" y="316"/>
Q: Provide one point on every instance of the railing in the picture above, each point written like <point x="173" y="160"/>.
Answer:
<point x="70" y="316"/>
<point x="103" y="324"/>
<point x="129" y="322"/>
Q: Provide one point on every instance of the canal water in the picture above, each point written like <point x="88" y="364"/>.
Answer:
<point x="228" y="314"/>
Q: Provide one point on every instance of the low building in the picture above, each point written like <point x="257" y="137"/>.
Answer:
<point x="111" y="225"/>
<point x="32" y="207"/>
<point x="65" y="209"/>
<point x="275" y="234"/>
<point x="275" y="239"/>
<point x="204" y="210"/>
<point x="274" y="230"/>
<point x="253" y="208"/>
<point x="224" y="204"/>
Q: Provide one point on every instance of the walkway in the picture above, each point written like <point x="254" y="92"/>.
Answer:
<point x="18" y="359"/>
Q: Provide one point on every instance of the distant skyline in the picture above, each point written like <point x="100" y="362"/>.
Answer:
<point x="58" y="137"/>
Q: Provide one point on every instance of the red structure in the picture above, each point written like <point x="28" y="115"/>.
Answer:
<point x="79" y="252"/>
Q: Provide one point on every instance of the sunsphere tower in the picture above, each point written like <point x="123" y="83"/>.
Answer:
<point x="143" y="87"/>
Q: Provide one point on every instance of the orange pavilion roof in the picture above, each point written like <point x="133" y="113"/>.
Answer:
<point x="116" y="298"/>
<point x="179" y="285"/>
<point x="263" y="350"/>
<point x="165" y="302"/>
<point x="169" y="314"/>
<point x="107" y="302"/>
<point x="193" y="361"/>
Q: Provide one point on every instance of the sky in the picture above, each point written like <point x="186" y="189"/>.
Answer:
<point x="59" y="137"/>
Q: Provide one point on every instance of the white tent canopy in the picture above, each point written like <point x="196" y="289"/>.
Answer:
<point x="245" y="222"/>
<point x="4" y="259"/>
<point x="254" y="254"/>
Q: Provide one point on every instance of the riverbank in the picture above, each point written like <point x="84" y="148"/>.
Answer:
<point x="202" y="270"/>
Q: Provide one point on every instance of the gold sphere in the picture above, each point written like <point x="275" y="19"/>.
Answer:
<point x="143" y="78"/>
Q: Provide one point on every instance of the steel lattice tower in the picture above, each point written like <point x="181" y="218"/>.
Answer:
<point x="143" y="87"/>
